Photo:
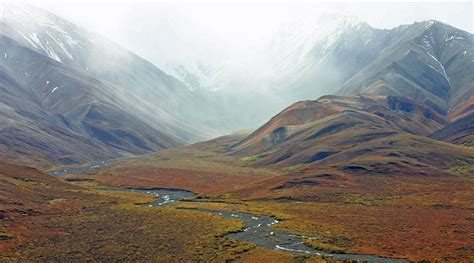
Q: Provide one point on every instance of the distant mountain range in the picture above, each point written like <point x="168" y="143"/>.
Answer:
<point x="417" y="86"/>
<point x="369" y="133"/>
<point x="69" y="95"/>
<point x="428" y="61"/>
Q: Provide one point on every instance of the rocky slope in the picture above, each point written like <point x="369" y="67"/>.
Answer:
<point x="69" y="95"/>
<point x="430" y="62"/>
<point x="370" y="133"/>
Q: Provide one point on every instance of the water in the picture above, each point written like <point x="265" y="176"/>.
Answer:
<point x="81" y="168"/>
<point x="166" y="196"/>
<point x="258" y="229"/>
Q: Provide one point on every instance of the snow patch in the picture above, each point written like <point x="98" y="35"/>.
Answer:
<point x="27" y="39"/>
<point x="443" y="71"/>
<point x="429" y="24"/>
<point x="453" y="38"/>
<point x="34" y="38"/>
<point x="293" y="250"/>
<point x="51" y="53"/>
<point x="61" y="45"/>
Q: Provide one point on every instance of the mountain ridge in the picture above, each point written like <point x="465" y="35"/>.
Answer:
<point x="102" y="93"/>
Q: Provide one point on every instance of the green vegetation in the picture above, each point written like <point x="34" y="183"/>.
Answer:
<point x="462" y="170"/>
<point x="294" y="168"/>
<point x="4" y="235"/>
<point x="320" y="245"/>
<point x="250" y="159"/>
<point x="367" y="200"/>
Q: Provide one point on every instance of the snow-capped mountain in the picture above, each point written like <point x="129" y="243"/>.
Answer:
<point x="98" y="57"/>
<point x="46" y="33"/>
<point x="85" y="96"/>
<point x="70" y="95"/>
<point x="309" y="58"/>
<point x="429" y="61"/>
<point x="275" y="68"/>
<point x="292" y="46"/>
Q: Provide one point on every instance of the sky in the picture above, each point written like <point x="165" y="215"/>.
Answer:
<point x="225" y="43"/>
<point x="244" y="21"/>
<point x="170" y="32"/>
<point x="106" y="15"/>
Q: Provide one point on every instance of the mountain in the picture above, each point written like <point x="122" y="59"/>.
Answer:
<point x="66" y="88"/>
<point x="367" y="132"/>
<point x="462" y="109"/>
<point x="430" y="62"/>
<point x="400" y="86"/>
<point x="69" y="95"/>
<point x="460" y="131"/>
<point x="271" y="73"/>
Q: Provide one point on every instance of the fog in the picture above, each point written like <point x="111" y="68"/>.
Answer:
<point x="250" y="58"/>
<point x="248" y="55"/>
<point x="171" y="34"/>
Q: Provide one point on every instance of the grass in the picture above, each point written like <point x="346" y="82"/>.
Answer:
<point x="200" y="168"/>
<point x="425" y="215"/>
<point x="320" y="245"/>
<point x="462" y="170"/>
<point x="250" y="159"/>
<point x="393" y="229"/>
<point x="4" y="235"/>
<point x="110" y="226"/>
<point x="45" y="219"/>
<point x="365" y="199"/>
<point x="294" y="168"/>
<point x="258" y="255"/>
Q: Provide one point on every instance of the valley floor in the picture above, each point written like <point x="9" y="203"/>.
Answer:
<point x="397" y="215"/>
<point x="46" y="219"/>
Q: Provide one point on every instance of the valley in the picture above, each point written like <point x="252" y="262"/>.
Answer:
<point x="258" y="230"/>
<point x="328" y="140"/>
<point x="348" y="212"/>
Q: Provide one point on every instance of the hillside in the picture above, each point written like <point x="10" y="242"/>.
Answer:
<point x="430" y="62"/>
<point x="418" y="82"/>
<point x="371" y="208"/>
<point x="460" y="131"/>
<point x="360" y="133"/>
<point x="46" y="219"/>
<point x="340" y="55"/>
<point x="71" y="96"/>
<point x="54" y="113"/>
<point x="383" y="171"/>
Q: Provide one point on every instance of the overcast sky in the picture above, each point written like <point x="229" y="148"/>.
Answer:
<point x="180" y="26"/>
<point x="106" y="15"/>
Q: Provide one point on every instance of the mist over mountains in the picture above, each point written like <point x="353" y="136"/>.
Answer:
<point x="65" y="87"/>
<point x="236" y="133"/>
<point x="71" y="95"/>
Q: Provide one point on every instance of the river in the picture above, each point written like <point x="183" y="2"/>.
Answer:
<point x="259" y="229"/>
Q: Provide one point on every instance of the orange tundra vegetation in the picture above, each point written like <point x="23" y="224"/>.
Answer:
<point x="396" y="214"/>
<point x="46" y="219"/>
